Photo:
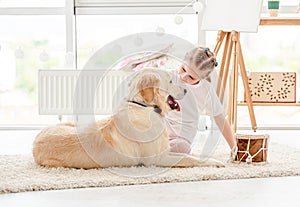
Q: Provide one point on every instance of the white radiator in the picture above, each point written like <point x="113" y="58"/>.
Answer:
<point x="69" y="92"/>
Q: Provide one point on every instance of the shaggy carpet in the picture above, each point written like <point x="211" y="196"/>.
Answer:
<point x="19" y="173"/>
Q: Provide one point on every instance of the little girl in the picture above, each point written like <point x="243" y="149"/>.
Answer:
<point x="201" y="99"/>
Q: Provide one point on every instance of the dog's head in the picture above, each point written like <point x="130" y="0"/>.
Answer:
<point x="154" y="87"/>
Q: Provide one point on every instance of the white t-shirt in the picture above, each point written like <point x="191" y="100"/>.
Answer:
<point x="200" y="99"/>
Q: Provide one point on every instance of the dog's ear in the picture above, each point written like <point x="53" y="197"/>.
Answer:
<point x="147" y="86"/>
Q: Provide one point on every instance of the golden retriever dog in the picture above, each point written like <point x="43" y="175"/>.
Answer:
<point x="134" y="135"/>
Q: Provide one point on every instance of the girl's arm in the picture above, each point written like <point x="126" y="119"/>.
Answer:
<point x="226" y="130"/>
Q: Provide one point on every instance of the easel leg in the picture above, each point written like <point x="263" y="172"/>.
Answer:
<point x="223" y="76"/>
<point x="220" y="38"/>
<point x="226" y="62"/>
<point x="235" y="38"/>
<point x="232" y="45"/>
<point x="230" y="99"/>
<point x="246" y="88"/>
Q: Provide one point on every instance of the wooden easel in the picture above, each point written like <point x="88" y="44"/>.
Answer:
<point x="233" y="46"/>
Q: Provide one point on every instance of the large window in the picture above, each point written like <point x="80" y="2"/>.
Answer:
<point x="36" y="35"/>
<point x="95" y="31"/>
<point x="27" y="44"/>
<point x="35" y="38"/>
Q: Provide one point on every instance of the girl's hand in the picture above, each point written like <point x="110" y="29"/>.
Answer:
<point x="233" y="153"/>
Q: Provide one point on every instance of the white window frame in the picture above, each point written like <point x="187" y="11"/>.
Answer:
<point x="32" y="11"/>
<point x="180" y="3"/>
<point x="133" y="7"/>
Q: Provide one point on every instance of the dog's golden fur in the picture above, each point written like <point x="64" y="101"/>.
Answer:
<point x="133" y="135"/>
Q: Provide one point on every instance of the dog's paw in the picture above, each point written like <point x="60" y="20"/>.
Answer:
<point x="233" y="153"/>
<point x="214" y="163"/>
<point x="208" y="162"/>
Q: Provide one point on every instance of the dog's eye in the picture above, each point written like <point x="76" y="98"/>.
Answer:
<point x="170" y="81"/>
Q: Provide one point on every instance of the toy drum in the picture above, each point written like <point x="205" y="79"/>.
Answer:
<point x="252" y="148"/>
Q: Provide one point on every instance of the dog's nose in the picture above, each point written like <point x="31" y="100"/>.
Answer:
<point x="185" y="91"/>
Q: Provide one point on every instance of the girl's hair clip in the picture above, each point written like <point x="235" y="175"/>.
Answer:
<point x="206" y="49"/>
<point x="216" y="64"/>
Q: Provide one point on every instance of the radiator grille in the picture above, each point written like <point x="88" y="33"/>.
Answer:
<point x="67" y="92"/>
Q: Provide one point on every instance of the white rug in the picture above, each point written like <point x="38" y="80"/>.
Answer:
<point x="19" y="173"/>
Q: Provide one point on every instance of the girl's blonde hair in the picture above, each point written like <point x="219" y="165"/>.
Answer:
<point x="202" y="61"/>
